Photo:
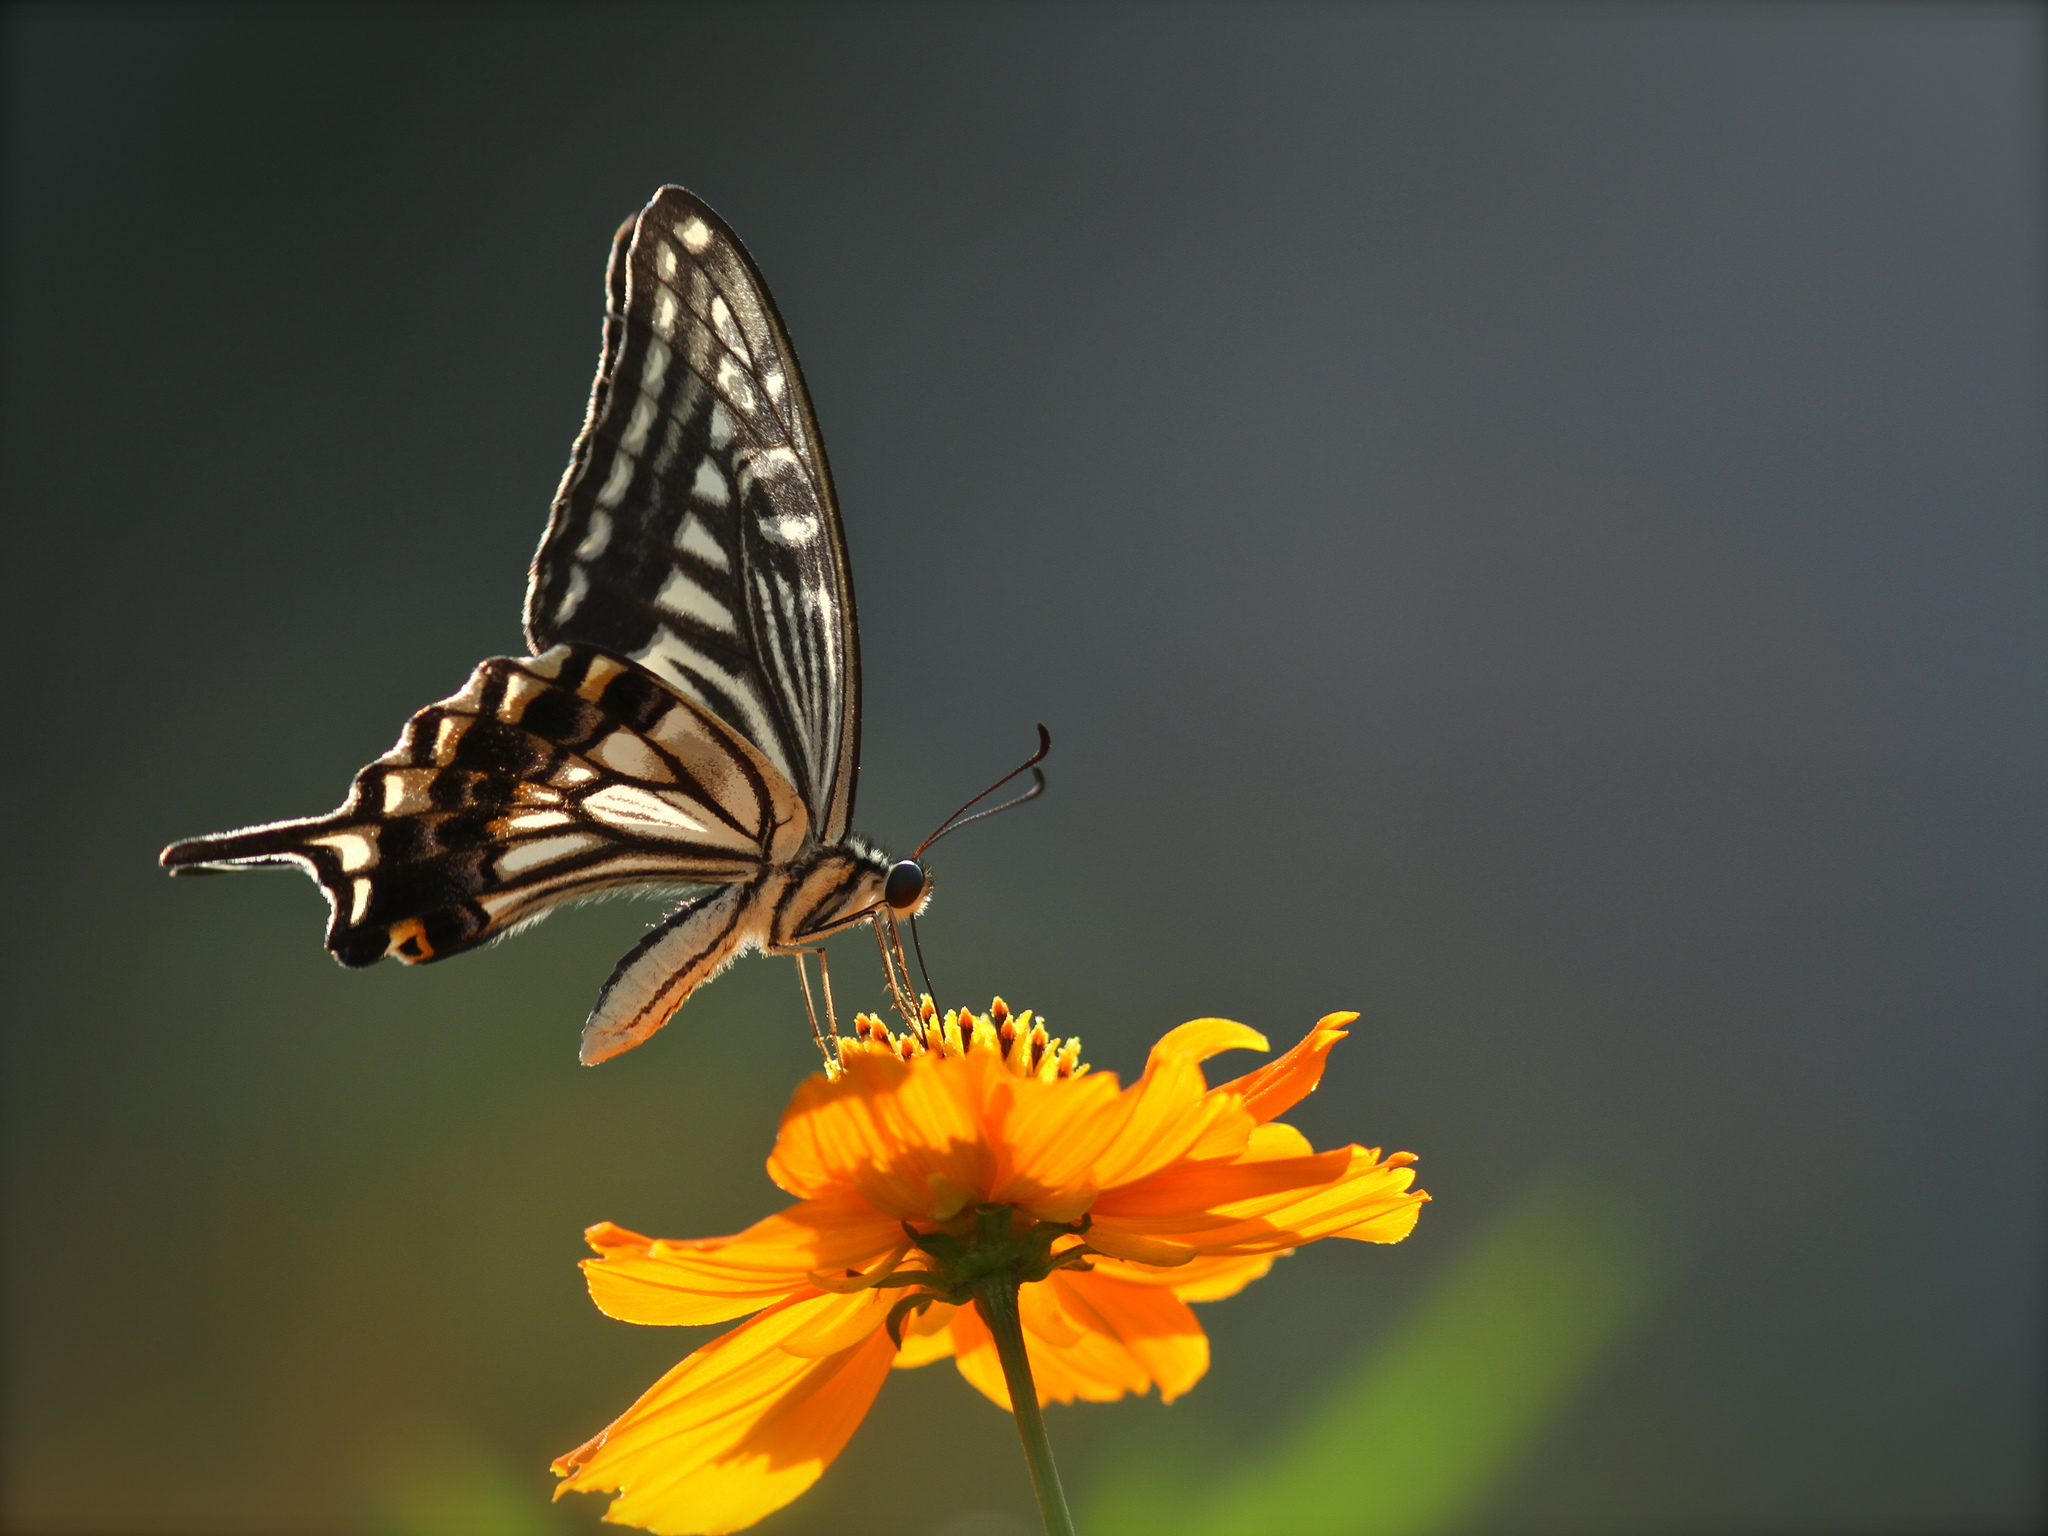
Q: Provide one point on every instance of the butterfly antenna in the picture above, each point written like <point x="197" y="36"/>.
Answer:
<point x="960" y="818"/>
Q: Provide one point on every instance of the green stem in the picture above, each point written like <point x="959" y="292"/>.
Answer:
<point x="995" y="1298"/>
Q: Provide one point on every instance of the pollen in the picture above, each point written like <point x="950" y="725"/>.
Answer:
<point x="1019" y="1039"/>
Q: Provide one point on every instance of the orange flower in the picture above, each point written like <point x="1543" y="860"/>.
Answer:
<point x="922" y="1163"/>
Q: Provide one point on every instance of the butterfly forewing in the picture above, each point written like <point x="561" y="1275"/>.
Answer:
<point x="695" y="531"/>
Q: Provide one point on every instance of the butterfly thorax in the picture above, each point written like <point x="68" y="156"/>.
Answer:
<point x="824" y="890"/>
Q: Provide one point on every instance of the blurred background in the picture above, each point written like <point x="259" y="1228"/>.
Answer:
<point x="1524" y="522"/>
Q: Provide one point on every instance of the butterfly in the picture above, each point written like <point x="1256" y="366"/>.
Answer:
<point x="690" y="715"/>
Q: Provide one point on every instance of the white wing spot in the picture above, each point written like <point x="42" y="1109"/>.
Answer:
<point x="679" y="594"/>
<point x="626" y="753"/>
<point x="578" y="585"/>
<point x="449" y="736"/>
<point x="735" y="385"/>
<point x="616" y="482"/>
<point x="632" y="809"/>
<point x="645" y="408"/>
<point x="709" y="486"/>
<point x="406" y="791"/>
<point x="695" y="539"/>
<point x="721" y="425"/>
<point x="665" y="259"/>
<point x="792" y="529"/>
<point x="544" y="851"/>
<point x="768" y="461"/>
<point x="695" y="233"/>
<point x="356" y="850"/>
<point x="600" y="534"/>
<point x="665" y="311"/>
<point x="655" y="369"/>
<point x="520" y="822"/>
<point x="361" y="906"/>
<point x="520" y="692"/>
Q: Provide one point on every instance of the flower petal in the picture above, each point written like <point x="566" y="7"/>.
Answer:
<point x="927" y="1336"/>
<point x="1171" y="1110"/>
<point x="1153" y="1325"/>
<point x="1204" y="1277"/>
<point x="1370" y="1202"/>
<point x="1194" y="1189"/>
<point x="738" y="1429"/>
<point x="1051" y="1134"/>
<point x="1073" y="1352"/>
<point x="907" y="1137"/>
<point x="653" y="1280"/>
<point x="1099" y="1371"/>
<point x="840" y="1322"/>
<point x="1199" y="1039"/>
<point x="1284" y="1082"/>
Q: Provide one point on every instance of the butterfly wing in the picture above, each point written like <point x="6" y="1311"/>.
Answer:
<point x="695" y="531"/>
<point x="546" y="779"/>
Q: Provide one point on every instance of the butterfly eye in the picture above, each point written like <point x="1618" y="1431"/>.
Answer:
<point x="905" y="885"/>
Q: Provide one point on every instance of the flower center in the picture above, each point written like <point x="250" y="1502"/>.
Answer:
<point x="1023" y="1044"/>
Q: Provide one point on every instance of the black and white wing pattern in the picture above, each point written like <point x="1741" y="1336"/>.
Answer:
<point x="696" y="531"/>
<point x="690" y="717"/>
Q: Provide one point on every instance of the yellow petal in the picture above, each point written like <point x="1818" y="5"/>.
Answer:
<point x="1199" y="1039"/>
<point x="1205" y="1277"/>
<point x="1171" y="1110"/>
<point x="854" y="1279"/>
<point x="974" y="1355"/>
<point x="906" y="1137"/>
<point x="840" y="1323"/>
<point x="1372" y="1202"/>
<point x="1212" y="1277"/>
<point x="1138" y="1247"/>
<point x="927" y="1336"/>
<point x="737" y="1430"/>
<point x="1050" y="1134"/>
<point x="1093" y="1364"/>
<point x="1282" y="1083"/>
<point x="649" y="1280"/>
<point x="1193" y="1188"/>
<point x="1095" y="1368"/>
<point x="1154" y="1325"/>
<point x="1273" y="1140"/>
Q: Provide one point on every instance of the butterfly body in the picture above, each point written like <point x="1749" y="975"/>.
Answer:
<point x="690" y="717"/>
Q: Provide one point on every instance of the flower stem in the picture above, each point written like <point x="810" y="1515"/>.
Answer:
<point x="995" y="1298"/>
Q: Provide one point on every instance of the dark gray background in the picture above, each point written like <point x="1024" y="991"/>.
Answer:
<point x="1523" y="521"/>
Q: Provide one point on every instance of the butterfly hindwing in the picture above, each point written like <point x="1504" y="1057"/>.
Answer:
<point x="695" y="531"/>
<point x="545" y="779"/>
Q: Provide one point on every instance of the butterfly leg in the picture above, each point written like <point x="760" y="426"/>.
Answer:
<point x="903" y="963"/>
<point x="810" y="1007"/>
<point x="898" y="992"/>
<point x="831" y="1018"/>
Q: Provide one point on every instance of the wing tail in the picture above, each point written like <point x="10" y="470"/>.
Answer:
<point x="278" y="842"/>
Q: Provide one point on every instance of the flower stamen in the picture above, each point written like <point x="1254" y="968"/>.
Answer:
<point x="1019" y="1039"/>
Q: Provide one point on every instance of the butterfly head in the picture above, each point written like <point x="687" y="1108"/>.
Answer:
<point x="907" y="888"/>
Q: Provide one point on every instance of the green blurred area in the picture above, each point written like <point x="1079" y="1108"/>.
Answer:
<point x="1413" y="1436"/>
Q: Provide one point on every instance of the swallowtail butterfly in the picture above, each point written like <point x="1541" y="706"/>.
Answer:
<point x="690" y="715"/>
